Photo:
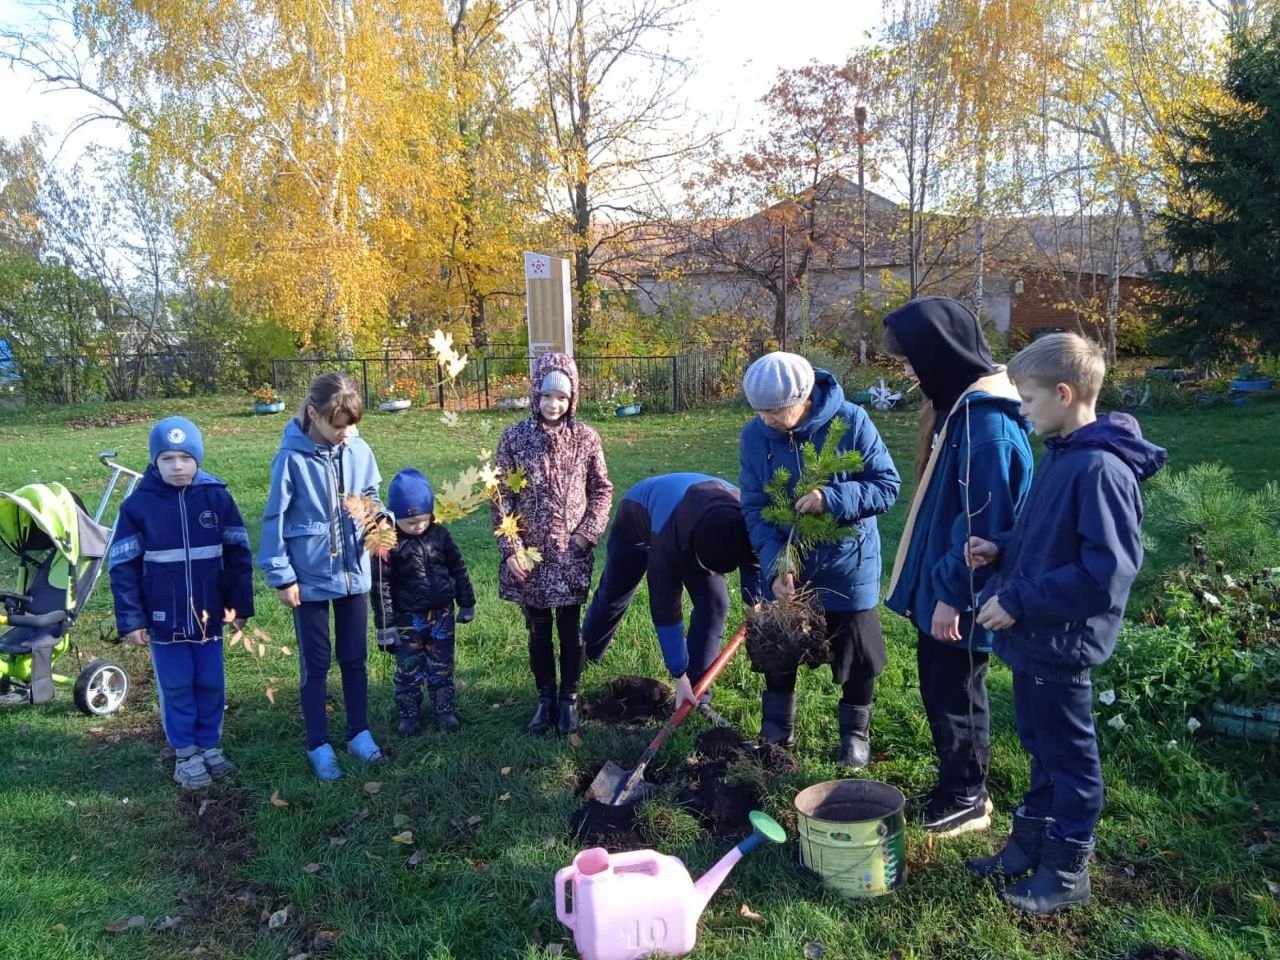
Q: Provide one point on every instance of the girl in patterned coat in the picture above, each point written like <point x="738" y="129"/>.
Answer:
<point x="561" y="511"/>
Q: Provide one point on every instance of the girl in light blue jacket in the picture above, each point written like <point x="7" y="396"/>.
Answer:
<point x="313" y="555"/>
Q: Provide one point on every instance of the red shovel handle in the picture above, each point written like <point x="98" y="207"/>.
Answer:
<point x="703" y="686"/>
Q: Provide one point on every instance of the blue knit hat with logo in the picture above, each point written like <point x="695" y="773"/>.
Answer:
<point x="410" y="495"/>
<point x="176" y="433"/>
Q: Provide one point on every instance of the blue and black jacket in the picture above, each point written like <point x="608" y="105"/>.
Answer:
<point x="307" y="536"/>
<point x="846" y="575"/>
<point x="1066" y="568"/>
<point x="180" y="559"/>
<point x="658" y="515"/>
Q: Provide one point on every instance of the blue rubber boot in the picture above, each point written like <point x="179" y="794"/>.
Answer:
<point x="363" y="747"/>
<point x="325" y="762"/>
<point x="1061" y="881"/>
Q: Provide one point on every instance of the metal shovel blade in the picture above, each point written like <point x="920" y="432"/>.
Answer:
<point x="611" y="778"/>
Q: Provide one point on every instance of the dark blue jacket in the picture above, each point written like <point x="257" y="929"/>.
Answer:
<point x="846" y="575"/>
<point x="986" y="440"/>
<point x="180" y="559"/>
<point x="1065" y="569"/>
<point x="308" y="538"/>
<point x="665" y="510"/>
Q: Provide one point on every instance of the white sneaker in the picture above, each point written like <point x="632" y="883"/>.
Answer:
<point x="191" y="773"/>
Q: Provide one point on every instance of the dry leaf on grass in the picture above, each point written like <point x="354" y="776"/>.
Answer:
<point x="751" y="914"/>
<point x="372" y="787"/>
<point x="311" y="868"/>
<point x="277" y="800"/>
<point x="413" y="861"/>
<point x="168" y="923"/>
<point x="337" y="841"/>
<point x="575" y="740"/>
<point x="405" y="837"/>
<point x="505" y="796"/>
<point x="505" y="771"/>
<point x="278" y="919"/>
<point x="271" y="695"/>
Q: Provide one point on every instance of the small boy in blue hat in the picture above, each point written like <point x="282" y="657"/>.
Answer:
<point x="414" y="591"/>
<point x="180" y="567"/>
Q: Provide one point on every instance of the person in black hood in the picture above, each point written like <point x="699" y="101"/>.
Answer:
<point x="973" y="471"/>
<point x="1063" y="575"/>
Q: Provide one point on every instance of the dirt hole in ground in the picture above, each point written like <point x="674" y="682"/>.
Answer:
<point x="629" y="699"/>
<point x="720" y="785"/>
<point x="110" y="420"/>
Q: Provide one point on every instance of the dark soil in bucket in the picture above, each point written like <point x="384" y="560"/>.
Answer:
<point x="629" y="699"/>
<point x="787" y="634"/>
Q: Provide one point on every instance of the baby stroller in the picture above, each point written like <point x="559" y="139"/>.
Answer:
<point x="60" y="551"/>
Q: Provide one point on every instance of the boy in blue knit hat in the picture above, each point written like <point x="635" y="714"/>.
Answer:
<point x="180" y="567"/>
<point x="413" y="597"/>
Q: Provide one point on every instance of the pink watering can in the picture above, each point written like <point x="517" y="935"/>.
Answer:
<point x="630" y="905"/>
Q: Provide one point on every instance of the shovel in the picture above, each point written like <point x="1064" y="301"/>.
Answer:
<point x="617" y="787"/>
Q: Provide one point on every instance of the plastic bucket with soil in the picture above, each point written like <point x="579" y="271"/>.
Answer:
<point x="853" y="835"/>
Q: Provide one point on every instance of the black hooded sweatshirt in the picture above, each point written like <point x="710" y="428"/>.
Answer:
<point x="944" y="344"/>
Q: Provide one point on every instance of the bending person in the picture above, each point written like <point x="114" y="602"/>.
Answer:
<point x="683" y="531"/>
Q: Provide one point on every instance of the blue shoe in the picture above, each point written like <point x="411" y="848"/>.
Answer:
<point x="363" y="747"/>
<point x="325" y="762"/>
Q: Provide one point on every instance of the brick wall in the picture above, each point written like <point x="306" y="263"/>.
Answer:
<point x="1037" y="307"/>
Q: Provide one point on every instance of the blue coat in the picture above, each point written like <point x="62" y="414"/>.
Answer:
<point x="307" y="536"/>
<point x="178" y="554"/>
<point x="1065" y="569"/>
<point x="846" y="575"/>
<point x="985" y="439"/>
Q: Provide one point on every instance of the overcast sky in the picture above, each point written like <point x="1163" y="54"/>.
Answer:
<point x="735" y="46"/>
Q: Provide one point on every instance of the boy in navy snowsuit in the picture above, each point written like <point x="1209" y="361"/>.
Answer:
<point x="413" y="597"/>
<point x="180" y="563"/>
<point x="1056" y="601"/>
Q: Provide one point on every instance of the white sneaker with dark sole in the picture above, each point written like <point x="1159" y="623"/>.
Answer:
<point x="955" y="816"/>
<point x="190" y="773"/>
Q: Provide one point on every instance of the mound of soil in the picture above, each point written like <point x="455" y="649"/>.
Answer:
<point x="787" y="634"/>
<point x="630" y="699"/>
<point x="110" y="420"/>
<point x="727" y="744"/>
<point x="722" y="805"/>
<point x="721" y="743"/>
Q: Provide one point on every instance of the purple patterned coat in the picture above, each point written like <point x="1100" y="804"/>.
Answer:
<point x="568" y="492"/>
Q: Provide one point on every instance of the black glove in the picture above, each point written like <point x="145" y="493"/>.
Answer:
<point x="466" y="614"/>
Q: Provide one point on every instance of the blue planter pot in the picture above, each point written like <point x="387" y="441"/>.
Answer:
<point x="630" y="410"/>
<point x="262" y="409"/>
<point x="1257" y="385"/>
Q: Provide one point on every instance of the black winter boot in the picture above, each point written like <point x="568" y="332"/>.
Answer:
<point x="778" y="718"/>
<point x="567" y="722"/>
<point x="442" y="705"/>
<point x="855" y="736"/>
<point x="409" y="708"/>
<point x="542" y="660"/>
<point x="1021" y="851"/>
<point x="1061" y="880"/>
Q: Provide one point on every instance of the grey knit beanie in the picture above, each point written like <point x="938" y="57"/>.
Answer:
<point x="557" y="381"/>
<point x="778" y="380"/>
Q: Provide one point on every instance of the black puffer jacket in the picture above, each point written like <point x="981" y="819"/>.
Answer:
<point x="423" y="573"/>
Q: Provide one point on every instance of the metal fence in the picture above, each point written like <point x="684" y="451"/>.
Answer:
<point x="661" y="384"/>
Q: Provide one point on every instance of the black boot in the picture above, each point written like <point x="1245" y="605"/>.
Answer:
<point x="409" y="708"/>
<point x="855" y="736"/>
<point x="1061" y="880"/>
<point x="544" y="718"/>
<point x="542" y="660"/>
<point x="778" y="718"/>
<point x="1021" y="851"/>
<point x="442" y="705"/>
<point x="567" y="722"/>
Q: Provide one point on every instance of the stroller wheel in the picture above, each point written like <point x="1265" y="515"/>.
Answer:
<point x="101" y="688"/>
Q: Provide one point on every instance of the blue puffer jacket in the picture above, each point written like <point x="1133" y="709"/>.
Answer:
<point x="180" y="553"/>
<point x="1066" y="568"/>
<point x="307" y="537"/>
<point x="846" y="575"/>
<point x="986" y="440"/>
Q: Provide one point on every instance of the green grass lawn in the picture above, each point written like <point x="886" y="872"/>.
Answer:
<point x="93" y="831"/>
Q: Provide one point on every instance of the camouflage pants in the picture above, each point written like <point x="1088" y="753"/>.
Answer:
<point x="425" y="655"/>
